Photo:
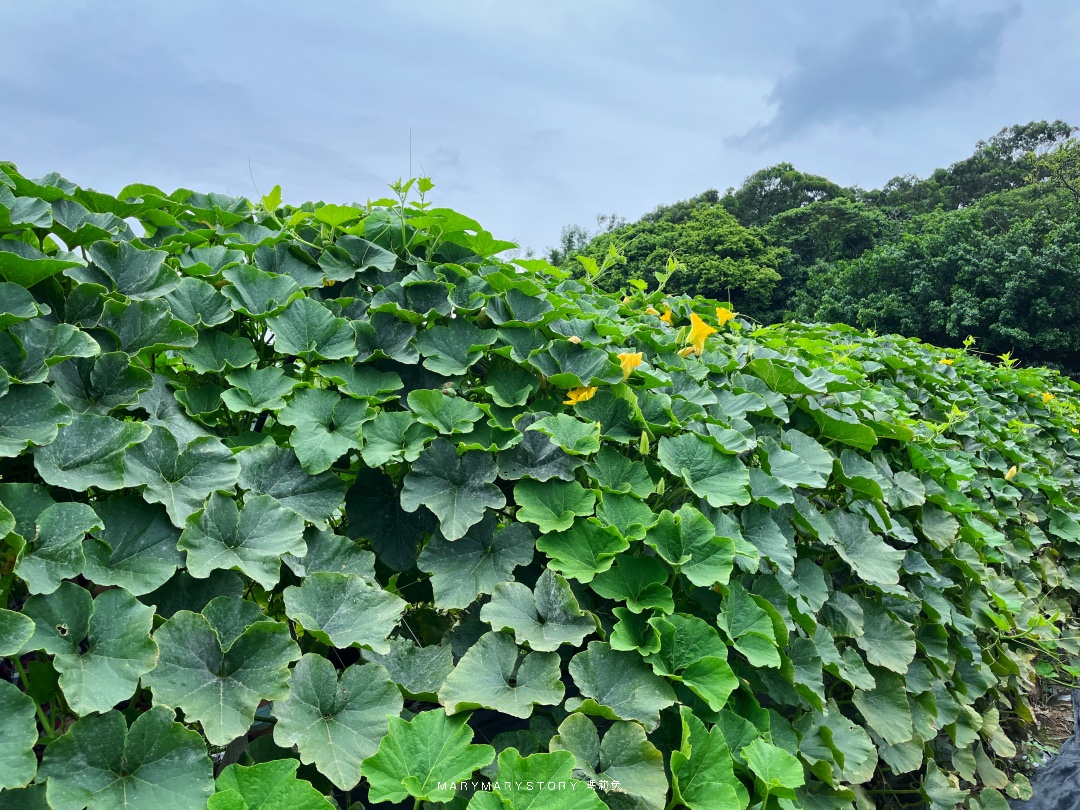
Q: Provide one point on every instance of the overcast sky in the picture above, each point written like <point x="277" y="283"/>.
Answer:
<point x="528" y="115"/>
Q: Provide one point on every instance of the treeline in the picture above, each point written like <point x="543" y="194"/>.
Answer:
<point x="988" y="247"/>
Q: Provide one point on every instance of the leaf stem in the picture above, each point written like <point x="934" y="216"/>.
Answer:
<point x="46" y="724"/>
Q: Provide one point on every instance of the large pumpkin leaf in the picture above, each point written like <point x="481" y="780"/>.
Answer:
<point x="89" y="452"/>
<point x="720" y="479"/>
<point x="327" y="426"/>
<point x="336" y="721"/>
<point x="544" y="618"/>
<point x="476" y="562"/>
<point x="56" y="550"/>
<point x="101" y="764"/>
<point x="30" y="415"/>
<point x="522" y="782"/>
<point x="420" y="757"/>
<point x="267" y="469"/>
<point x="216" y="677"/>
<point x="688" y="540"/>
<point x="495" y="674"/>
<point x="458" y="489"/>
<point x="308" y="329"/>
<point x="266" y="786"/>
<point x="99" y="384"/>
<point x="135" y="273"/>
<point x="180" y="478"/>
<point x="624" y="759"/>
<point x="252" y="538"/>
<point x="344" y="609"/>
<point x="136" y="547"/>
<point x="617" y="686"/>
<point x="101" y="647"/>
<point x="18" y="736"/>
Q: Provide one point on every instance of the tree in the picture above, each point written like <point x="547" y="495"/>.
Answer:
<point x="776" y="189"/>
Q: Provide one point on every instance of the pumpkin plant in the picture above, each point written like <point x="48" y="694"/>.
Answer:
<point x="330" y="506"/>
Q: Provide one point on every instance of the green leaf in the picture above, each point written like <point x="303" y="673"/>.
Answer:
<point x="790" y="469"/>
<point x="495" y="674"/>
<point x="702" y="777"/>
<point x="841" y="426"/>
<point x="267" y="469"/>
<point x="507" y="387"/>
<point x="30" y="415"/>
<point x="778" y="770"/>
<point x="289" y="260"/>
<point x="452" y="349"/>
<point x="56" y="550"/>
<point x="536" y="456"/>
<point x="327" y="427"/>
<point x="584" y="550"/>
<point x="19" y="305"/>
<point x="344" y="609"/>
<point x="885" y="708"/>
<point x="476" y="562"/>
<point x="29" y="349"/>
<point x="258" y="294"/>
<point x="394" y="436"/>
<point x="363" y="382"/>
<point x="266" y="786"/>
<point x="217" y="351"/>
<point x="18" y="732"/>
<point x="749" y="627"/>
<point x="15" y="630"/>
<point x="552" y="505"/>
<point x="574" y="436"/>
<point x="331" y="553"/>
<point x="688" y="540"/>
<point x="720" y="479"/>
<point x="419" y="671"/>
<point x="772" y="542"/>
<point x="218" y="681"/>
<point x="544" y="618"/>
<point x="89" y="452"/>
<point x="457" y="489"/>
<point x="631" y="517"/>
<point x="180" y="479"/>
<point x="638" y="582"/>
<point x="870" y="557"/>
<point x="625" y="756"/>
<point x="361" y="255"/>
<point x="887" y="641"/>
<point x="198" y="303"/>
<point x="445" y="414"/>
<point x="524" y="783"/>
<point x="136" y="549"/>
<point x="415" y="757"/>
<point x="99" y="384"/>
<point x="25" y="265"/>
<point x="145" y="326"/>
<point x="570" y="365"/>
<point x="692" y="652"/>
<point x="633" y="632"/>
<point x="101" y="648"/>
<point x="101" y="764"/>
<point x="252" y="539"/>
<point x="617" y="685"/>
<point x="336" y="721"/>
<point x="257" y="389"/>
<point x="614" y="472"/>
<point x="308" y="329"/>
<point x="137" y="273"/>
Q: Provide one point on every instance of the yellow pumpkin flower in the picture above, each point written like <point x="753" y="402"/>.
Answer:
<point x="1011" y="473"/>
<point x="946" y="361"/>
<point x="1047" y="396"/>
<point x="576" y="395"/>
<point x="666" y="317"/>
<point x="574" y="339"/>
<point x="651" y="311"/>
<point x="699" y="330"/>
<point x="723" y="315"/>
<point x="629" y="361"/>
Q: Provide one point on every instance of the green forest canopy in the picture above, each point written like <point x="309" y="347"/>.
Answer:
<point x="988" y="247"/>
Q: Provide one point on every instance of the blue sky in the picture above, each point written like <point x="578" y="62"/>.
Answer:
<point x="528" y="115"/>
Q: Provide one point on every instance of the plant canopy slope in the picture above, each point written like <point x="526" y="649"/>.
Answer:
<point x="331" y="502"/>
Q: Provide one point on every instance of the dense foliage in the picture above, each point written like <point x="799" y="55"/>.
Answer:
<point x="985" y="247"/>
<point x="330" y="503"/>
